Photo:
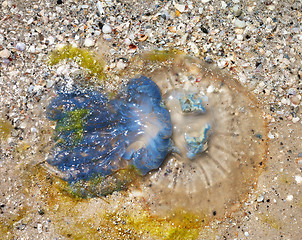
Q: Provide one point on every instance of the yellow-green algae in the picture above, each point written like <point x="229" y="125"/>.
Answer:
<point x="270" y="220"/>
<point x="5" y="129"/>
<point x="73" y="121"/>
<point x="74" y="219"/>
<point x="161" y="55"/>
<point x="83" y="57"/>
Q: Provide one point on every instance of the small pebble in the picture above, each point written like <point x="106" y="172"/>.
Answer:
<point x="20" y="46"/>
<point x="210" y="89"/>
<point x="237" y="10"/>
<point x="32" y="49"/>
<point x="246" y="234"/>
<point x="40" y="230"/>
<point x="180" y="7"/>
<point x="4" y="53"/>
<point x="88" y="42"/>
<point x="295" y="100"/>
<point x="100" y="8"/>
<point x="260" y="198"/>
<point x="296" y="119"/>
<point x="106" y="29"/>
<point x="222" y="63"/>
<point x="107" y="37"/>
<point x="289" y="198"/>
<point x="239" y="24"/>
<point x="298" y="179"/>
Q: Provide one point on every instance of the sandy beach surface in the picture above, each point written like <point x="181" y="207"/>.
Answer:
<point x="258" y="43"/>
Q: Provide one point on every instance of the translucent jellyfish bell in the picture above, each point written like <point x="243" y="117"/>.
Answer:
<point x="218" y="140"/>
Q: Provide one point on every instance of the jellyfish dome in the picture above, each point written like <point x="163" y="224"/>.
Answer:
<point x="96" y="136"/>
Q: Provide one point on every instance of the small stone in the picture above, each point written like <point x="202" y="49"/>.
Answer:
<point x="246" y="234"/>
<point x="4" y="4"/>
<point x="106" y="29"/>
<point x="88" y="42"/>
<point x="100" y="8"/>
<point x="222" y="63"/>
<point x="4" y="53"/>
<point x="296" y="119"/>
<point x="107" y="37"/>
<point x="180" y="7"/>
<point x="260" y="198"/>
<point x="289" y="198"/>
<point x="270" y="135"/>
<point x="194" y="48"/>
<point x="32" y="49"/>
<point x="298" y="179"/>
<point x="40" y="230"/>
<point x="121" y="65"/>
<point x="223" y="5"/>
<point x="239" y="24"/>
<point x="210" y="89"/>
<point x="295" y="100"/>
<point x="239" y="37"/>
<point x="20" y="46"/>
<point x="237" y="11"/>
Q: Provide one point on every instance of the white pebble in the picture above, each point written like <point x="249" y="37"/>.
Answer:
<point x="51" y="40"/>
<point x="205" y="1"/>
<point x="270" y="135"/>
<point x="222" y="63"/>
<point x="32" y="49"/>
<point x="246" y="234"/>
<point x="20" y="46"/>
<point x="121" y="65"/>
<point x="106" y="29"/>
<point x="40" y="230"/>
<point x="180" y="7"/>
<point x="289" y="198"/>
<point x="4" y="4"/>
<point x="193" y="48"/>
<point x="100" y="8"/>
<point x="240" y="24"/>
<point x="107" y="37"/>
<point x="4" y="53"/>
<point x="296" y="119"/>
<point x="88" y="42"/>
<point x="223" y="5"/>
<point x="298" y="179"/>
<point x="127" y="41"/>
<point x="260" y="198"/>
<point x="210" y="89"/>
<point x="239" y="37"/>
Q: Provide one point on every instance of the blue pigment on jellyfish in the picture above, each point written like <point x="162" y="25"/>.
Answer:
<point x="96" y="136"/>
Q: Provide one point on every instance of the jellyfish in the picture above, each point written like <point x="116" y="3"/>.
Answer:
<point x="96" y="136"/>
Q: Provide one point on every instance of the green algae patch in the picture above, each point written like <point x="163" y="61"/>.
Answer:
<point x="5" y="129"/>
<point x="71" y="125"/>
<point x="83" y="57"/>
<point x="161" y="55"/>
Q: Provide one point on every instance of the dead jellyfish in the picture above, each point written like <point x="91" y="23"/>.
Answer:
<point x="218" y="140"/>
<point x="193" y="132"/>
